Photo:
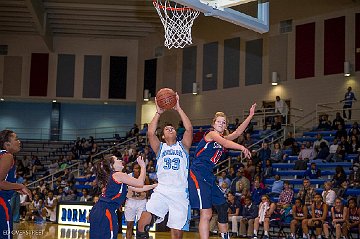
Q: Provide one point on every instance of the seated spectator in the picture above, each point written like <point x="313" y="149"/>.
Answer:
<point x="144" y="130"/>
<point x="323" y="151"/>
<point x="354" y="176"/>
<point x="338" y="216"/>
<point x="249" y="213"/>
<point x="276" y="125"/>
<point x="341" y="132"/>
<point x="254" y="157"/>
<point x="134" y="131"/>
<point x="339" y="177"/>
<point x="328" y="194"/>
<point x="277" y="186"/>
<point x="342" y="191"/>
<point x="318" y="141"/>
<point x="338" y="121"/>
<point x="198" y="135"/>
<point x="225" y="188"/>
<point x="306" y="193"/>
<point x="264" y="153"/>
<point x="319" y="212"/>
<point x="68" y="176"/>
<point x="233" y="212"/>
<point x="265" y="214"/>
<point x="354" y="145"/>
<point x="257" y="173"/>
<point x="346" y="148"/>
<point x="338" y="156"/>
<point x="223" y="178"/>
<point x="85" y="196"/>
<point x="250" y="169"/>
<point x="307" y="152"/>
<point x="276" y="154"/>
<point x="180" y="130"/>
<point x="70" y="195"/>
<point x="243" y="180"/>
<point x="268" y="171"/>
<point x="288" y="142"/>
<point x="313" y="172"/>
<point x="324" y="123"/>
<point x="332" y="149"/>
<point x="231" y="175"/>
<point x="257" y="192"/>
<point x="300" y="213"/>
<point x="352" y="221"/>
<point x="248" y="140"/>
<point x="355" y="130"/>
<point x="286" y="196"/>
<point x="50" y="206"/>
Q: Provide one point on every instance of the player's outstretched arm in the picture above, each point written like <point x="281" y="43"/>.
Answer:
<point x="243" y="126"/>
<point x="227" y="143"/>
<point x="144" y="188"/>
<point x="153" y="139"/>
<point x="131" y="181"/>
<point x="188" y="134"/>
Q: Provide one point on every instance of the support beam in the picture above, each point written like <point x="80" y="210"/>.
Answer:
<point x="259" y="24"/>
<point x="40" y="19"/>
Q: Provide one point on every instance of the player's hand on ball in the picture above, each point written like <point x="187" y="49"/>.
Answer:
<point x="158" y="109"/>
<point x="141" y="161"/>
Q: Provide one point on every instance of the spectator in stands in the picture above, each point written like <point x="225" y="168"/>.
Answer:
<point x="60" y="194"/>
<point x="95" y="189"/>
<point x="134" y="131"/>
<point x="276" y="125"/>
<point x="223" y="179"/>
<point x="348" y="100"/>
<point x="264" y="153"/>
<point x="300" y="213"/>
<point x="248" y="140"/>
<point x="307" y="152"/>
<point x="313" y="172"/>
<point x="94" y="149"/>
<point x="70" y="195"/>
<point x="342" y="191"/>
<point x="198" y="135"/>
<point x="276" y="154"/>
<point x="258" y="173"/>
<point x="257" y="192"/>
<point x="339" y="177"/>
<point x="41" y="186"/>
<point x="354" y="145"/>
<point x="324" y="151"/>
<point x="277" y="186"/>
<point x="282" y="108"/>
<point x="233" y="212"/>
<point x="318" y="141"/>
<point x="354" y="176"/>
<point x="319" y="212"/>
<point x="341" y="132"/>
<point x="324" y="123"/>
<point x="355" y="130"/>
<point x="286" y="196"/>
<point x="133" y="156"/>
<point x="328" y="194"/>
<point x="249" y="213"/>
<point x="232" y="174"/>
<point x="243" y="180"/>
<point x="339" y="214"/>
<point x="338" y="121"/>
<point x="85" y="196"/>
<point x="307" y="193"/>
<point x="288" y="142"/>
<point x="35" y="208"/>
<point x="144" y="130"/>
<point x="265" y="214"/>
<point x="332" y="149"/>
<point x="68" y="175"/>
<point x="225" y="188"/>
<point x="180" y="130"/>
<point x="338" y="156"/>
<point x="352" y="221"/>
<point x="268" y="170"/>
<point x="250" y="169"/>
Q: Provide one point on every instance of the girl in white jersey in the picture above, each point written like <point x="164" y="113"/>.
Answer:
<point x="171" y="194"/>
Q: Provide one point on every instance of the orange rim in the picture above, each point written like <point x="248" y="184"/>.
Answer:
<point x="170" y="8"/>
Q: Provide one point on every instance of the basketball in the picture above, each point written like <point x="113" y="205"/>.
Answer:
<point x="166" y="98"/>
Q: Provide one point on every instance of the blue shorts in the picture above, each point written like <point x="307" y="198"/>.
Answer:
<point x="6" y="224"/>
<point x="103" y="222"/>
<point x="204" y="192"/>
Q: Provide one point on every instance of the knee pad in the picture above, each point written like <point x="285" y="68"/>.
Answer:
<point x="222" y="212"/>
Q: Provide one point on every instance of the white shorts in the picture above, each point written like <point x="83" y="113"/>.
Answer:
<point x="134" y="208"/>
<point x="51" y="213"/>
<point x="176" y="203"/>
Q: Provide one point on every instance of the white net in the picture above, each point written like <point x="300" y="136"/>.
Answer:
<point x="177" y="21"/>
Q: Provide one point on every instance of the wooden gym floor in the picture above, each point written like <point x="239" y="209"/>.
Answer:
<point x="30" y="230"/>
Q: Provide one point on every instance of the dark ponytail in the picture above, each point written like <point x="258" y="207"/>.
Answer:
<point x="103" y="169"/>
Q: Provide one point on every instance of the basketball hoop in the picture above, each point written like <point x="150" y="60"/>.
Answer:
<point x="177" y="21"/>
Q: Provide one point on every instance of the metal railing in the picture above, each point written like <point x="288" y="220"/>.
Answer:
<point x="273" y="137"/>
<point x="76" y="165"/>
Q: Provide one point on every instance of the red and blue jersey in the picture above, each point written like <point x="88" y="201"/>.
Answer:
<point x="10" y="177"/>
<point x="207" y="154"/>
<point x="114" y="193"/>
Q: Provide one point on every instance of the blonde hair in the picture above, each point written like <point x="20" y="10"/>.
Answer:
<point x="221" y="114"/>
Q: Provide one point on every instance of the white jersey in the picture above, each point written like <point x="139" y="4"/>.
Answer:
<point x="172" y="167"/>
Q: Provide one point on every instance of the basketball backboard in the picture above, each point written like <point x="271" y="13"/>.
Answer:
<point x="221" y="9"/>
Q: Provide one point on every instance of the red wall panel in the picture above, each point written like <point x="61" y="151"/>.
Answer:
<point x="39" y="74"/>
<point x="305" y="51"/>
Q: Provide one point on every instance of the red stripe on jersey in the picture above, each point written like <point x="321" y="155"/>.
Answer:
<point x="108" y="215"/>
<point x="116" y="196"/>
<point x="193" y="177"/>
<point x="200" y="151"/>
<point x="6" y="209"/>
